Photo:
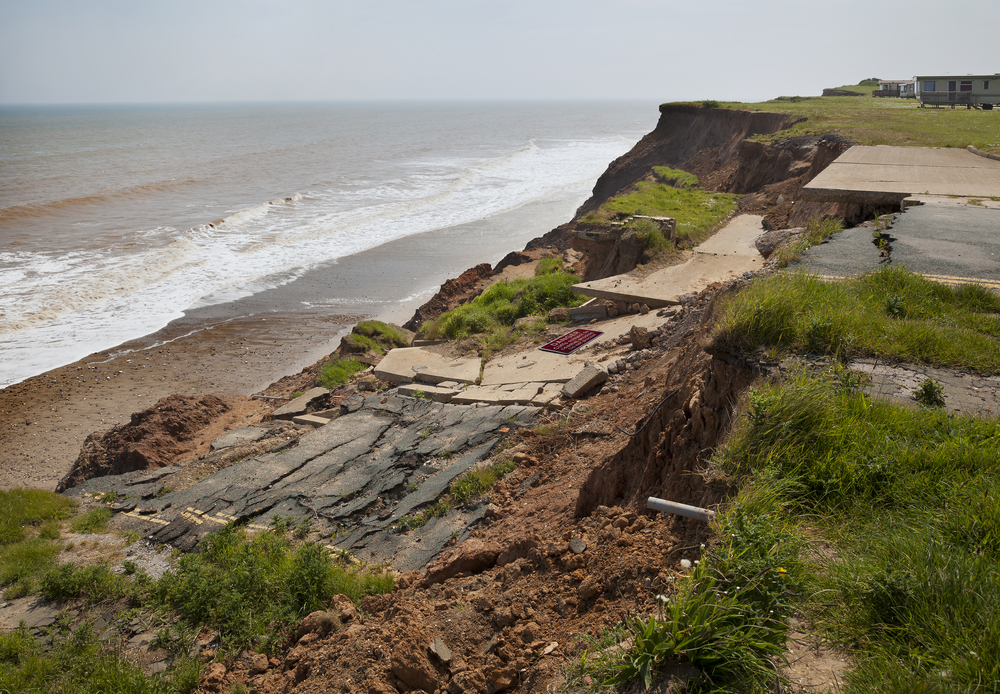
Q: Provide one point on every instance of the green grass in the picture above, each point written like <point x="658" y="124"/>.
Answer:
<point x="870" y="120"/>
<point x="362" y="343"/>
<point x="889" y="313"/>
<point x="908" y="497"/>
<point x="698" y="212"/>
<point x="338" y="371"/>
<point x="21" y="509"/>
<point x="726" y="616"/>
<point x="385" y="335"/>
<point x="654" y="243"/>
<point x="76" y="662"/>
<point x="254" y="588"/>
<point x="94" y="520"/>
<point x="675" y="177"/>
<point x="503" y="303"/>
<point x="547" y="266"/>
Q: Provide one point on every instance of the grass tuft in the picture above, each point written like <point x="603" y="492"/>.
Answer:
<point x="796" y="312"/>
<point x="338" y="371"/>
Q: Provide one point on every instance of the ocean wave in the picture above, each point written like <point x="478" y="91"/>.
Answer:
<point x="42" y="209"/>
<point x="58" y="287"/>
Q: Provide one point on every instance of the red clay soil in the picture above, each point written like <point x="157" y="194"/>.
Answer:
<point x="155" y="437"/>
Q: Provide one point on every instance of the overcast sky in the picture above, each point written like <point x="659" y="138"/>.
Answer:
<point x="107" y="51"/>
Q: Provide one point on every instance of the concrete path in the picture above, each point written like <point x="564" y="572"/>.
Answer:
<point x="409" y="364"/>
<point x="384" y="459"/>
<point x="888" y="175"/>
<point x="725" y="256"/>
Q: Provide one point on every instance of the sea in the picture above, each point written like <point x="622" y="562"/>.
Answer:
<point x="118" y="221"/>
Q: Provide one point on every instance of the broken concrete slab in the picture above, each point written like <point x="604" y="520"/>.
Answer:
<point x="298" y="405"/>
<point x="416" y="364"/>
<point x="589" y="313"/>
<point x="729" y="253"/>
<point x="666" y="287"/>
<point x="888" y="175"/>
<point x="311" y="420"/>
<point x="548" y="398"/>
<point x="421" y="390"/>
<point x="590" y="376"/>
<point x="475" y="394"/>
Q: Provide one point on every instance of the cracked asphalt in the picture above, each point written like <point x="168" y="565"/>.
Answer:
<point x="385" y="457"/>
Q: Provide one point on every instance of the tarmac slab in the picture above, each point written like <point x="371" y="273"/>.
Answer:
<point x="953" y="244"/>
<point x="356" y="479"/>
<point x="889" y="174"/>
<point x="409" y="364"/>
<point x="725" y="256"/>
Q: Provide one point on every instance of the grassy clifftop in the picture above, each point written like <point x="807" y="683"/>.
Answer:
<point x="870" y="120"/>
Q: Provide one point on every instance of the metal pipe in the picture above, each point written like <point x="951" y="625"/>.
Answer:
<point x="269" y="397"/>
<point x="664" y="506"/>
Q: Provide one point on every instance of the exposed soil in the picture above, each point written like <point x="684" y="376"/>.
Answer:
<point x="175" y="428"/>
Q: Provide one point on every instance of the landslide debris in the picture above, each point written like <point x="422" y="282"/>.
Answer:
<point x="154" y="437"/>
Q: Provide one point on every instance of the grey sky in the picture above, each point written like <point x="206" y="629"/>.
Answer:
<point x="104" y="51"/>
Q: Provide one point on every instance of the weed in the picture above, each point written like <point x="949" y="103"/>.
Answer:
<point x="298" y="394"/>
<point x="93" y="521"/>
<point x="109" y="497"/>
<point x="338" y="371"/>
<point x="420" y="394"/>
<point x="547" y="266"/>
<point x="799" y="312"/>
<point x="930" y="393"/>
<point x="675" y="177"/>
<point x="654" y="243"/>
<point x="475" y="483"/>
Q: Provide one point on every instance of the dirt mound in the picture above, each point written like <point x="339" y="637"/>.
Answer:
<point x="154" y="438"/>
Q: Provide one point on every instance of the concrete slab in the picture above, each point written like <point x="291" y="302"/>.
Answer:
<point x="298" y="405"/>
<point x="667" y="286"/>
<point x="736" y="238"/>
<point x="521" y="396"/>
<point x="728" y="254"/>
<point x="418" y="364"/>
<point x="474" y="394"/>
<point x="433" y="393"/>
<point x="890" y="174"/>
<point x="311" y="420"/>
<point x="589" y="377"/>
<point x="540" y="367"/>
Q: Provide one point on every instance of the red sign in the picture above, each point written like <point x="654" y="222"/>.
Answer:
<point x="571" y="341"/>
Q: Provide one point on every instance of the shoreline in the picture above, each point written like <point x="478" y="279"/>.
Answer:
<point x="240" y="348"/>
